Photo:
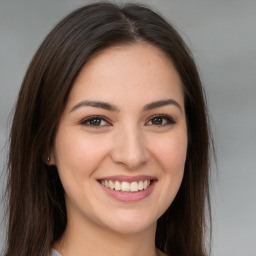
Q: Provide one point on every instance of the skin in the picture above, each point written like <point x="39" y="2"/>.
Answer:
<point x="128" y="141"/>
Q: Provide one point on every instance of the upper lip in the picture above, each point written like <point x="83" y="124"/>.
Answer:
<point x="128" y="178"/>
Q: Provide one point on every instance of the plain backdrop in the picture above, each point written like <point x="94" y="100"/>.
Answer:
<point x="222" y="37"/>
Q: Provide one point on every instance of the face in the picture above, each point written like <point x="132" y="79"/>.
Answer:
<point x="121" y="143"/>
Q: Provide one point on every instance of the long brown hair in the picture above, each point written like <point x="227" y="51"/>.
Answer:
<point x="37" y="213"/>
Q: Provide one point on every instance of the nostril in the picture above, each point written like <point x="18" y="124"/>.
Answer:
<point x="131" y="160"/>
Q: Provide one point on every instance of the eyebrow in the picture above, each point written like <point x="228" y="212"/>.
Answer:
<point x="162" y="103"/>
<point x="110" y="107"/>
<point x="95" y="104"/>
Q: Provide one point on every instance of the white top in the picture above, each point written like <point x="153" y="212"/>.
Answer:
<point x="55" y="253"/>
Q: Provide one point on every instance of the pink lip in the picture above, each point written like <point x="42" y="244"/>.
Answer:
<point x="128" y="196"/>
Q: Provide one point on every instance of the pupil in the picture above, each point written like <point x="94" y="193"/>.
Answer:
<point x="157" y="120"/>
<point x="95" y="122"/>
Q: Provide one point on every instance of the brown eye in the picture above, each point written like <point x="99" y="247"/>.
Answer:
<point x="157" y="120"/>
<point x="95" y="121"/>
<point x="161" y="121"/>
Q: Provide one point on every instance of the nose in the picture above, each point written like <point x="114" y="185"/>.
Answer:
<point x="129" y="148"/>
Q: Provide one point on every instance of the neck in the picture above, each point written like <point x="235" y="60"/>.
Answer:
<point x="87" y="238"/>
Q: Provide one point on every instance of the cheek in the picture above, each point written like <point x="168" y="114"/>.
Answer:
<point x="76" y="157"/>
<point x="171" y="153"/>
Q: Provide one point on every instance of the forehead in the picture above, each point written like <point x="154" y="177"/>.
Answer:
<point x="126" y="71"/>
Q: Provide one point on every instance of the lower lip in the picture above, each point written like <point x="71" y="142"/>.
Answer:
<point x="129" y="196"/>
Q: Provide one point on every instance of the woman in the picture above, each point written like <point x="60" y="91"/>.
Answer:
<point x="109" y="142"/>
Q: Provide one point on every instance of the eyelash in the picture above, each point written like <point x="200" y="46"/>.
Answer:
<point x="168" y="120"/>
<point x="86" y="122"/>
<point x="93" y="118"/>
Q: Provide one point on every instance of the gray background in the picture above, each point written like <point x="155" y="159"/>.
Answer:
<point x="222" y="37"/>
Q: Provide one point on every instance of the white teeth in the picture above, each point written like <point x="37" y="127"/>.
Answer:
<point x="117" y="185"/>
<point x="111" y="184"/>
<point x="145" y="184"/>
<point x="134" y="186"/>
<point x="125" y="186"/>
<point x="141" y="185"/>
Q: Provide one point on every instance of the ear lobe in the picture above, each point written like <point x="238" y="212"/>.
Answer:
<point x="50" y="159"/>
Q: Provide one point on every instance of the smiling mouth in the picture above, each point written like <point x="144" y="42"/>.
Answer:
<point x="125" y="186"/>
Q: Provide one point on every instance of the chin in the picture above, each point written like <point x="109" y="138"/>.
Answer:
<point x="130" y="222"/>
